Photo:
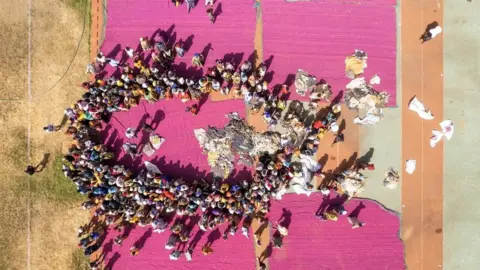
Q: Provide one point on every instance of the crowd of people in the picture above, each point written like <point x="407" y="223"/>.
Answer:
<point x="121" y="198"/>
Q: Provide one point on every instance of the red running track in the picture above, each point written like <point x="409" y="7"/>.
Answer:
<point x="316" y="36"/>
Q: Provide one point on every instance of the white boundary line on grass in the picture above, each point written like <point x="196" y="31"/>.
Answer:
<point x="29" y="125"/>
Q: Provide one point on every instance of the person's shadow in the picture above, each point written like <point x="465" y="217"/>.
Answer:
<point x="266" y="253"/>
<point x="365" y="159"/>
<point x="218" y="11"/>
<point x="113" y="260"/>
<point x="356" y="212"/>
<point x="213" y="236"/>
<point x="286" y="218"/>
<point x="262" y="227"/>
<point x="196" y="239"/>
<point x="188" y="43"/>
<point x="41" y="166"/>
<point x="141" y="241"/>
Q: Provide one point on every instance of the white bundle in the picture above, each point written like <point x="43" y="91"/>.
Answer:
<point x="418" y="107"/>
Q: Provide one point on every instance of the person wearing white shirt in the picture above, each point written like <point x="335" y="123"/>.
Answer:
<point x="431" y="32"/>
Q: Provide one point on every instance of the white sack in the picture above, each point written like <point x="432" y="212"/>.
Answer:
<point x="410" y="166"/>
<point x="418" y="107"/>
<point x="201" y="136"/>
<point x="152" y="167"/>
<point x="370" y="119"/>
<point x="447" y="128"/>
<point x="436" y="138"/>
<point x="298" y="188"/>
<point x="375" y="79"/>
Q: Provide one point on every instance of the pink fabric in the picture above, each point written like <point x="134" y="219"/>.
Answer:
<point x="314" y="244"/>
<point x="235" y="253"/>
<point x="233" y="31"/>
<point x="180" y="154"/>
<point x="127" y="22"/>
<point x="375" y="245"/>
<point x="316" y="36"/>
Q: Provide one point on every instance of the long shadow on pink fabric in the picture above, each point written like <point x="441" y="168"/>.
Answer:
<point x="356" y="212"/>
<point x="196" y="239"/>
<point x="206" y="50"/>
<point x="234" y="58"/>
<point x="328" y="202"/>
<point x="141" y="241"/>
<point x="213" y="236"/>
<point x="113" y="260"/>
<point x="187" y="44"/>
<point x="113" y="53"/>
<point x="286" y="218"/>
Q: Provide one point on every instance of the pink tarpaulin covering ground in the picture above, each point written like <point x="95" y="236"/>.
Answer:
<point x="316" y="36"/>
<point x="235" y="253"/>
<point x="180" y="155"/>
<point x="314" y="244"/>
<point x="232" y="34"/>
<point x="233" y="31"/>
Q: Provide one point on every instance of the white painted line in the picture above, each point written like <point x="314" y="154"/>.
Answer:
<point x="422" y="217"/>
<point x="29" y="126"/>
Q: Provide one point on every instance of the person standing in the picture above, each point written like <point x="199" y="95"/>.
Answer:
<point x="207" y="250"/>
<point x="247" y="222"/>
<point x="355" y="222"/>
<point x="51" y="128"/>
<point x="134" y="250"/>
<point x="31" y="170"/>
<point x="175" y="255"/>
<point x="188" y="254"/>
<point x="130" y="148"/>
<point x="261" y="264"/>
<point x="193" y="109"/>
<point x="338" y="138"/>
<point x="91" y="249"/>
<point x="430" y="33"/>
<point x="197" y="60"/>
<point x="130" y="52"/>
<point x="210" y="14"/>
<point x="130" y="133"/>
<point x="113" y="63"/>
<point x="145" y="44"/>
<point x="147" y="128"/>
<point x="179" y="49"/>
<point x="190" y="5"/>
<point x="101" y="58"/>
<point x="91" y="69"/>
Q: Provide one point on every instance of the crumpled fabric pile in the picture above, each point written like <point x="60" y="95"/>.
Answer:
<point x="361" y="95"/>
<point x="236" y="138"/>
<point x="304" y="82"/>
<point x="352" y="182"/>
<point x="392" y="178"/>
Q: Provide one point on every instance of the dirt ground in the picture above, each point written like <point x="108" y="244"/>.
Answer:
<point x="58" y="56"/>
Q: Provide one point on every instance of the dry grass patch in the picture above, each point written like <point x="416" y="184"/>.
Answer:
<point x="55" y="213"/>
